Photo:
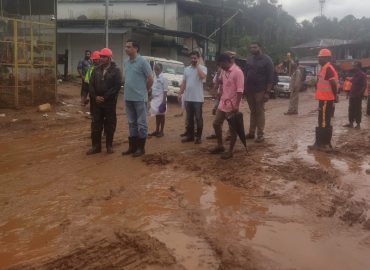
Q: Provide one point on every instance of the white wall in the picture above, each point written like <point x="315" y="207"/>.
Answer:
<point x="141" y="11"/>
<point x="76" y="44"/>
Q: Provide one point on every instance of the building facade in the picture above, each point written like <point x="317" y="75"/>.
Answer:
<point x="163" y="28"/>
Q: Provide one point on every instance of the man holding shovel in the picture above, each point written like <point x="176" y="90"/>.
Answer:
<point x="231" y="92"/>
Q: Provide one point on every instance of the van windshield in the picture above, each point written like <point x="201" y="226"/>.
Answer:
<point x="172" y="68"/>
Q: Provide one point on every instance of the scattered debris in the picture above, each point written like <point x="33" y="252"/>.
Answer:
<point x="44" y="108"/>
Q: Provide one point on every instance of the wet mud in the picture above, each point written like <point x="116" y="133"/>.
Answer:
<point x="277" y="206"/>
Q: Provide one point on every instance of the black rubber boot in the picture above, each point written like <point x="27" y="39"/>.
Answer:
<point x="318" y="139"/>
<point x="132" y="146"/>
<point x="96" y="145"/>
<point x="109" y="143"/>
<point x="140" y="148"/>
<point x="327" y="134"/>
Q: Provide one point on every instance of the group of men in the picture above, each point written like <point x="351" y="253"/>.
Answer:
<point x="103" y="80"/>
<point x="230" y="83"/>
<point x="327" y="94"/>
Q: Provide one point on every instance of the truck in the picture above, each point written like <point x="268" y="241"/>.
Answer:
<point x="173" y="71"/>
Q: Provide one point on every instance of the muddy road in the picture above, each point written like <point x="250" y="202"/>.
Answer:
<point x="276" y="207"/>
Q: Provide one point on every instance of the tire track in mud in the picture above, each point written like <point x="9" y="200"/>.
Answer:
<point x="125" y="250"/>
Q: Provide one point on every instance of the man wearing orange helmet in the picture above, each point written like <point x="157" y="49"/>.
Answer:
<point x="105" y="84"/>
<point x="95" y="57"/>
<point x="326" y="94"/>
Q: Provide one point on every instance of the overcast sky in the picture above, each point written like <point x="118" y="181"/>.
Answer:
<point x="307" y="9"/>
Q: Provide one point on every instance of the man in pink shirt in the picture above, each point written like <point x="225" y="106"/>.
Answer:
<point x="231" y="92"/>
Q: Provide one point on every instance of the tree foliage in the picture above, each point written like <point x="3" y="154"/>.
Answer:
<point x="267" y="22"/>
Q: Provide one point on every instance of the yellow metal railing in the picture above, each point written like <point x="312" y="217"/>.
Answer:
<point x="27" y="62"/>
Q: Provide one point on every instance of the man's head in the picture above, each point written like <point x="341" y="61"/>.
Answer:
<point x="224" y="61"/>
<point x="95" y="57"/>
<point x="105" y="56"/>
<point x="255" y="48"/>
<point x="324" y="56"/>
<point x="132" y="48"/>
<point x="194" y="56"/>
<point x="232" y="55"/>
<point x="357" y="66"/>
<point x="87" y="54"/>
<point x="158" y="67"/>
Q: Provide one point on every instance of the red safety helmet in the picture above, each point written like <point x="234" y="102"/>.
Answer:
<point x="325" y="53"/>
<point x="106" y="52"/>
<point x="95" y="55"/>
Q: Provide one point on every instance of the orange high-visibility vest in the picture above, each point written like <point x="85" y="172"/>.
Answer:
<point x="347" y="85"/>
<point x="323" y="88"/>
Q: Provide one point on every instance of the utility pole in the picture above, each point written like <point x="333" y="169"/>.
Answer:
<point x="322" y="4"/>
<point x="106" y="23"/>
<point x="164" y="13"/>
<point x="221" y="26"/>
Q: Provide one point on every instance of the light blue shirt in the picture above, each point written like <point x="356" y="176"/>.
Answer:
<point x="137" y="72"/>
<point x="194" y="84"/>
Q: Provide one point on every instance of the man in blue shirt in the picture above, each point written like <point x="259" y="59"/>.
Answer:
<point x="138" y="81"/>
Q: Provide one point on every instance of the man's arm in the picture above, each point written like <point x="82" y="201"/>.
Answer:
<point x="239" y="89"/>
<point x="365" y="86"/>
<point x="334" y="87"/>
<point x="79" y="69"/>
<point x="182" y="87"/>
<point x="92" y="86"/>
<point x="165" y="89"/>
<point x="149" y="82"/>
<point x="201" y="73"/>
<point x="270" y="75"/>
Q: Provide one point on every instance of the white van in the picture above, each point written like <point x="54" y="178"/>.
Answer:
<point x="173" y="71"/>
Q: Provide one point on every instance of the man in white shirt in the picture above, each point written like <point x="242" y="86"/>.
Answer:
<point x="192" y="89"/>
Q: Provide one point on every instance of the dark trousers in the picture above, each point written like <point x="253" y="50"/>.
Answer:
<point x="326" y="108"/>
<point x="355" y="109"/>
<point x="84" y="89"/>
<point x="368" y="105"/>
<point x="103" y="116"/>
<point x="324" y="131"/>
<point x="194" y="110"/>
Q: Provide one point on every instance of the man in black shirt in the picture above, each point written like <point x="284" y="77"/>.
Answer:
<point x="359" y="85"/>
<point x="104" y="87"/>
<point x="259" y="80"/>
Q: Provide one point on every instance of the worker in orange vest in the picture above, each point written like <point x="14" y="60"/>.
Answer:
<point x="347" y="86"/>
<point x="326" y="94"/>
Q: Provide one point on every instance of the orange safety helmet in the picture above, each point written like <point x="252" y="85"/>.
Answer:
<point x="325" y="53"/>
<point x="95" y="55"/>
<point x="106" y="52"/>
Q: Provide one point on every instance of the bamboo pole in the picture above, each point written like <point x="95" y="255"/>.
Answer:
<point x="16" y="71"/>
<point x="32" y="68"/>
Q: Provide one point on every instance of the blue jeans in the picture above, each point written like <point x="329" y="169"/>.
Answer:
<point x="137" y="118"/>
